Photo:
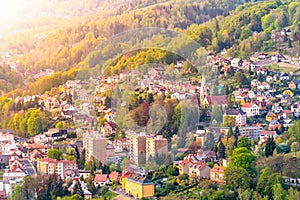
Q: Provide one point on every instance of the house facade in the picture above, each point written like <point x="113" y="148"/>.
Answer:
<point x="138" y="187"/>
<point x="217" y="174"/>
<point x="240" y="116"/>
<point x="250" y="109"/>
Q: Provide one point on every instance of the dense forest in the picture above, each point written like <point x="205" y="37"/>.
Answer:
<point x="215" y="25"/>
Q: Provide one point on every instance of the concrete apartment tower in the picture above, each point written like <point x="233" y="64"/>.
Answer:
<point x="95" y="145"/>
<point x="143" y="146"/>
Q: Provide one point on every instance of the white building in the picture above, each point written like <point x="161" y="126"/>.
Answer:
<point x="250" y="109"/>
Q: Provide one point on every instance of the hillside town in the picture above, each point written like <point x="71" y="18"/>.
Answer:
<point x="262" y="106"/>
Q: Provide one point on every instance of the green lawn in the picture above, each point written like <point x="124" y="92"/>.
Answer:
<point x="285" y="68"/>
<point x="108" y="195"/>
<point x="1" y="175"/>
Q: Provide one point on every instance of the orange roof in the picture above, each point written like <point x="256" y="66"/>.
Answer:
<point x="100" y="178"/>
<point x="218" y="169"/>
<point x="52" y="160"/>
<point x="35" y="146"/>
<point x="184" y="162"/>
<point x="248" y="105"/>
<point x="268" y="132"/>
<point x="114" y="176"/>
<point x="276" y="126"/>
<point x="67" y="161"/>
<point x="287" y="111"/>
<point x="126" y="175"/>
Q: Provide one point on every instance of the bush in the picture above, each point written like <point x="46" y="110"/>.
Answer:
<point x="114" y="187"/>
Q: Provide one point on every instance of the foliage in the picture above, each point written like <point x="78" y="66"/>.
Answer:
<point x="209" y="142"/>
<point x="270" y="147"/>
<point x="283" y="148"/>
<point x="54" y="153"/>
<point x="172" y="171"/>
<point x="82" y="159"/>
<point x="229" y="121"/>
<point x="294" y="131"/>
<point x="244" y="142"/>
<point x="237" y="178"/>
<point x="242" y="158"/>
<point x="221" y="150"/>
<point x="112" y="167"/>
<point x="266" y="181"/>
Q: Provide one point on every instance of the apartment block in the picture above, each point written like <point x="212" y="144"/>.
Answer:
<point x="95" y="145"/>
<point x="156" y="144"/>
<point x="63" y="168"/>
<point x="142" y="146"/>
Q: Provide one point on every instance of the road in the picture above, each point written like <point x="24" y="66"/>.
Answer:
<point x="121" y="193"/>
<point x="29" y="168"/>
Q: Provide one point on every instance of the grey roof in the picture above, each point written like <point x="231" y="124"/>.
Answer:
<point x="140" y="179"/>
<point x="234" y="112"/>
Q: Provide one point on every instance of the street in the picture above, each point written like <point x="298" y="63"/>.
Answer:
<point x="29" y="168"/>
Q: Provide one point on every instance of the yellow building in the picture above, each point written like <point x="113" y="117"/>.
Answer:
<point x="43" y="165"/>
<point x="217" y="174"/>
<point x="138" y="187"/>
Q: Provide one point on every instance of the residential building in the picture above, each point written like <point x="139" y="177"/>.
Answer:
<point x="139" y="187"/>
<point x="295" y="108"/>
<point x="108" y="128"/>
<point x="55" y="134"/>
<point x="95" y="145"/>
<point x="266" y="134"/>
<point x="143" y="146"/>
<point x="156" y="145"/>
<point x="294" y="84"/>
<point x="240" y="116"/>
<point x="212" y="100"/>
<point x="206" y="156"/>
<point x="63" y="168"/>
<point x="236" y="62"/>
<point x="121" y="145"/>
<point x="199" y="170"/>
<point x="271" y="116"/>
<point x="137" y="149"/>
<point x="250" y="109"/>
<point x="114" y="176"/>
<point x="18" y="176"/>
<point x="217" y="174"/>
<point x="101" y="180"/>
<point x="252" y="132"/>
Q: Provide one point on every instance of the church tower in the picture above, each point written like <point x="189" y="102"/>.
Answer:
<point x="203" y="90"/>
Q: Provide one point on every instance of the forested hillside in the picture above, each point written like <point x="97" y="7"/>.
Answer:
<point x="211" y="23"/>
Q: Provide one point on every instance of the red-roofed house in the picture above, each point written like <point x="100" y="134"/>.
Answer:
<point x="250" y="109"/>
<point x="114" y="176"/>
<point x="287" y="114"/>
<point x="108" y="128"/>
<point x="266" y="134"/>
<point x="199" y="170"/>
<point x="217" y="174"/>
<point x="219" y="100"/>
<point x="3" y="195"/>
<point x="124" y="176"/>
<point x="278" y="126"/>
<point x="60" y="167"/>
<point x="101" y="180"/>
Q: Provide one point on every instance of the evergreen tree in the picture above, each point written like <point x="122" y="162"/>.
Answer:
<point x="230" y="132"/>
<point x="216" y="150"/>
<point x="270" y="147"/>
<point x="82" y="160"/>
<point x="77" y="154"/>
<point x="236" y="135"/>
<point x="77" y="189"/>
<point x="209" y="142"/>
<point x="221" y="150"/>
